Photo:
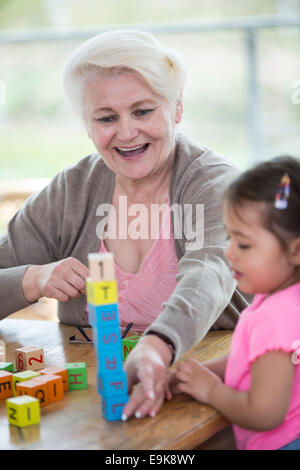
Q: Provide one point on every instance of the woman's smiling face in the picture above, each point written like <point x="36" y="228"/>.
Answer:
<point x="131" y="127"/>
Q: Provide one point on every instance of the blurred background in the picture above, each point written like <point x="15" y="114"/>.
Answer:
<point x="242" y="96"/>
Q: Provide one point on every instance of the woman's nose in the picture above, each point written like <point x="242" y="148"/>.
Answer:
<point x="127" y="129"/>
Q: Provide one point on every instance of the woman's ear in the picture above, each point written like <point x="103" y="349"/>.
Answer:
<point x="179" y="111"/>
<point x="295" y="251"/>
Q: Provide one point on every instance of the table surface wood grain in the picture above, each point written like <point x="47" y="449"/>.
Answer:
<point x="76" y="422"/>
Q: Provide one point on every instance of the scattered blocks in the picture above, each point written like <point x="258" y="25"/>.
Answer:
<point x="29" y="357"/>
<point x="23" y="411"/>
<point x="35" y="388"/>
<point x="6" y="386"/>
<point x="128" y="344"/>
<point x="77" y="375"/>
<point x="57" y="371"/>
<point x="104" y="317"/>
<point x="2" y="351"/>
<point x="21" y="377"/>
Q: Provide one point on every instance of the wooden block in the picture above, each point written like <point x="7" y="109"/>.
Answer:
<point x="104" y="316"/>
<point x="22" y="377"/>
<point x="128" y="344"/>
<point x="55" y="386"/>
<point x="36" y="388"/>
<point x="77" y="375"/>
<point x="112" y="407"/>
<point x="9" y="366"/>
<point x="23" y="411"/>
<point x="29" y="357"/>
<point x="113" y="384"/>
<point x="6" y="387"/>
<point x="101" y="292"/>
<point x="101" y="266"/>
<point x="110" y="361"/>
<point x="57" y="371"/>
<point x="2" y="351"/>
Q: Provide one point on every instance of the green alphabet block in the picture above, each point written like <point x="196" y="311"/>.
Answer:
<point x="128" y="344"/>
<point x="77" y="375"/>
<point x="9" y="366"/>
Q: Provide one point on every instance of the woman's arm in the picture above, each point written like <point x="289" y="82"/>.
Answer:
<point x="261" y="408"/>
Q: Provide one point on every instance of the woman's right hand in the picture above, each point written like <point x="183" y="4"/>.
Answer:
<point x="61" y="280"/>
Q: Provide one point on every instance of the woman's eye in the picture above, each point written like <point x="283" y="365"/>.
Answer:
<point x="106" y="119"/>
<point x="142" y="112"/>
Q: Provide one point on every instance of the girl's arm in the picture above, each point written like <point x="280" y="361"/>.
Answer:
<point x="217" y="366"/>
<point x="261" y="408"/>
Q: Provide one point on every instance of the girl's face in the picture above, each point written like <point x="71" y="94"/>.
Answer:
<point x="258" y="261"/>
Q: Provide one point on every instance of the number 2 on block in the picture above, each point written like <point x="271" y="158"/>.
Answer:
<point x="35" y="359"/>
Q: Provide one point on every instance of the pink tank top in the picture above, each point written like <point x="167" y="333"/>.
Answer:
<point x="141" y="294"/>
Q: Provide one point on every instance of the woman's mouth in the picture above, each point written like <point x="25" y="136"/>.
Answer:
<point x="130" y="152"/>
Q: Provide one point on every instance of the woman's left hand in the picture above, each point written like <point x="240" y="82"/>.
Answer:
<point x="147" y="366"/>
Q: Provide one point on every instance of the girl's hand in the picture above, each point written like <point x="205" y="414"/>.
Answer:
<point x="61" y="280"/>
<point x="194" y="379"/>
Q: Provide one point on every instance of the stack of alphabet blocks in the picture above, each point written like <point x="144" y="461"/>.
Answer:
<point x="102" y="296"/>
<point x="33" y="386"/>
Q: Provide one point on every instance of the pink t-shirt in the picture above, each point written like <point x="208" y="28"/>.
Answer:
<point x="268" y="324"/>
<point x="141" y="295"/>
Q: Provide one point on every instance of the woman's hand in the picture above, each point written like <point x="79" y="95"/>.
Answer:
<point x="193" y="378"/>
<point x="147" y="365"/>
<point x="61" y="280"/>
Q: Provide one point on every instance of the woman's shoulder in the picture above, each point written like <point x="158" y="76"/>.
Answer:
<point x="88" y="165"/>
<point x="197" y="168"/>
<point x="190" y="152"/>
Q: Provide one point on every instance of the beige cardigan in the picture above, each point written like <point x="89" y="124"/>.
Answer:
<point x="60" y="221"/>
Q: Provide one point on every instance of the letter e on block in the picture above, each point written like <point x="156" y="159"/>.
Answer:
<point x="6" y="389"/>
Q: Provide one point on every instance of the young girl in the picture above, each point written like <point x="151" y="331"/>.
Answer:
<point x="257" y="387"/>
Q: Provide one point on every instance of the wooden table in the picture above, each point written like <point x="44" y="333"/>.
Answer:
<point x="76" y="421"/>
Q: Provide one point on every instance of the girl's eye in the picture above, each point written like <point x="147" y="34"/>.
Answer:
<point x="142" y="112"/>
<point x="244" y="247"/>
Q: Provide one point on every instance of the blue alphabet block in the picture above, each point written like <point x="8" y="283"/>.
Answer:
<point x="103" y="316"/>
<point x="110" y="361"/>
<point x="112" y="407"/>
<point x="113" y="384"/>
<point x="107" y="338"/>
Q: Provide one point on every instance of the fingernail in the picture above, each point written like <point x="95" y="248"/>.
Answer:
<point x="137" y="414"/>
<point x="124" y="418"/>
<point x="151" y="395"/>
<point x="152" y="414"/>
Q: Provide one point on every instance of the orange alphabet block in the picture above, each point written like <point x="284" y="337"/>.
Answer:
<point x="55" y="386"/>
<point x="29" y="357"/>
<point x="6" y="390"/>
<point x="36" y="388"/>
<point x="57" y="371"/>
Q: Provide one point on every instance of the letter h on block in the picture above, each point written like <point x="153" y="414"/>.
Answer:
<point x="104" y="318"/>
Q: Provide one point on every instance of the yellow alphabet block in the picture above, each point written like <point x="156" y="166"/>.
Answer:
<point x="21" y="377"/>
<point x="23" y="411"/>
<point x="101" y="292"/>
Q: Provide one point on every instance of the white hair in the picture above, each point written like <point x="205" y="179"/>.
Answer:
<point x="162" y="68"/>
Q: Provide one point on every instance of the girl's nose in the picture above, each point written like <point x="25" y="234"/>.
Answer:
<point x="230" y="252"/>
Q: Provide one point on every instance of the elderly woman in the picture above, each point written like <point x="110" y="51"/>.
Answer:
<point x="128" y="91"/>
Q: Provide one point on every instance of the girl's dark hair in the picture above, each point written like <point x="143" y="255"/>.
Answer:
<point x="260" y="184"/>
